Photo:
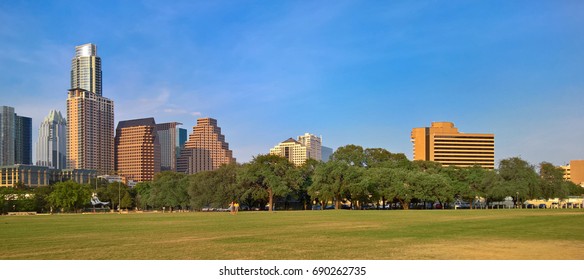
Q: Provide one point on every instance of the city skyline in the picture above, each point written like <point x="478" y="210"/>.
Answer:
<point x="356" y="73"/>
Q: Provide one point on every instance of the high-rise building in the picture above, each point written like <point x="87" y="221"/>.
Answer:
<point x="297" y="152"/>
<point x="90" y="116"/>
<point x="52" y="142"/>
<point x="313" y="145"/>
<point x="86" y="69"/>
<point x="7" y="135"/>
<point x="172" y="140"/>
<point x="326" y="153"/>
<point x="23" y="140"/>
<point x="574" y="172"/>
<point x="206" y="148"/>
<point x="137" y="149"/>
<point x="15" y="138"/>
<point x="444" y="144"/>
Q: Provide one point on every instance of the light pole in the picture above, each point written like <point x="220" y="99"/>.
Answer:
<point x="119" y="199"/>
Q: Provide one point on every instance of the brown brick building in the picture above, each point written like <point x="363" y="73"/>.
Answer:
<point x="205" y="150"/>
<point x="137" y="149"/>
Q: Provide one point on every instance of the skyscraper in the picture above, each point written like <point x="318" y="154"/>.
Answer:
<point x="86" y="69"/>
<point x="444" y="144"/>
<point x="52" y="142"/>
<point x="15" y="137"/>
<point x="172" y="140"/>
<point x="297" y="152"/>
<point x="137" y="149"/>
<point x="205" y="150"/>
<point x="7" y="134"/>
<point x="23" y="140"/>
<point x="90" y="116"/>
<point x="313" y="145"/>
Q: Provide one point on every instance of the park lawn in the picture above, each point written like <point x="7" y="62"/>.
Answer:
<point x="314" y="235"/>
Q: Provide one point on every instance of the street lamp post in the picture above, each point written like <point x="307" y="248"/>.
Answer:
<point x="119" y="199"/>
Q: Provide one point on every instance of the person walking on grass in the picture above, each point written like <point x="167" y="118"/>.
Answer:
<point x="232" y="208"/>
<point x="236" y="205"/>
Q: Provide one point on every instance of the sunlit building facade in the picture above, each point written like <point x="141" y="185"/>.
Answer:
<point x="90" y="116"/>
<point x="443" y="143"/>
<point x="206" y="149"/>
<point x="137" y="150"/>
<point x="298" y="151"/>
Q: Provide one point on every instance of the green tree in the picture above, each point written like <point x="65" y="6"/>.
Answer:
<point x="142" y="199"/>
<point x="352" y="154"/>
<point x="69" y="196"/>
<point x="306" y="173"/>
<point x="214" y="188"/>
<point x="268" y="175"/>
<point x="169" y="189"/>
<point x="126" y="200"/>
<point x="379" y="181"/>
<point x="376" y="156"/>
<point x="41" y="203"/>
<point x="400" y="188"/>
<point x="552" y="181"/>
<point x="334" y="180"/>
<point x="519" y="179"/>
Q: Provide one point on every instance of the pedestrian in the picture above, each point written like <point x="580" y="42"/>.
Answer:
<point x="236" y="207"/>
<point x="232" y="208"/>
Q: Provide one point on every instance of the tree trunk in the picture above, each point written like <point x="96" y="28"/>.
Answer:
<point x="270" y="200"/>
<point x="338" y="203"/>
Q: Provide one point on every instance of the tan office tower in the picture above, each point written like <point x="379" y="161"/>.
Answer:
<point x="205" y="150"/>
<point x="574" y="172"/>
<point x="297" y="152"/>
<point x="90" y="116"/>
<point x="444" y="144"/>
<point x="137" y="149"/>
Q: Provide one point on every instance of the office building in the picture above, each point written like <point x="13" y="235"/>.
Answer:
<point x="313" y="145"/>
<point x="298" y="151"/>
<point x="137" y="150"/>
<point x="51" y="146"/>
<point x="41" y="176"/>
<point x="443" y="143"/>
<point x="574" y="172"/>
<point x="7" y="135"/>
<point x="326" y="153"/>
<point x="206" y="148"/>
<point x="172" y="139"/>
<point x="23" y="140"/>
<point x="90" y="116"/>
<point x="15" y="137"/>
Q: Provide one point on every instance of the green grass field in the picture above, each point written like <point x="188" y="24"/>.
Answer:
<point x="370" y="235"/>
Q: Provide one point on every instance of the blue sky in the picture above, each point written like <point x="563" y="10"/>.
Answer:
<point x="355" y="72"/>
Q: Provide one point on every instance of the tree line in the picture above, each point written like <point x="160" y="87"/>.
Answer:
<point x="354" y="177"/>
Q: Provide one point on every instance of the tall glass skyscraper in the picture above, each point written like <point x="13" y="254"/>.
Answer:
<point x="15" y="138"/>
<point x="7" y="132"/>
<point x="172" y="139"/>
<point x="52" y="141"/>
<point x="90" y="116"/>
<point x="23" y="140"/>
<point x="86" y="69"/>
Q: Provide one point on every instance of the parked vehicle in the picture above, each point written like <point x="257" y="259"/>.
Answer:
<point x="542" y="206"/>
